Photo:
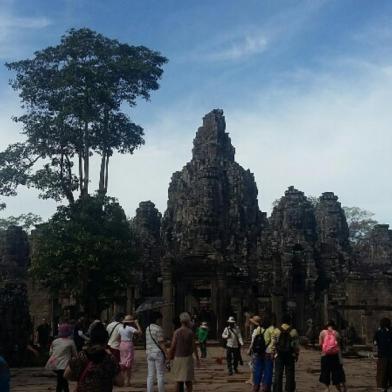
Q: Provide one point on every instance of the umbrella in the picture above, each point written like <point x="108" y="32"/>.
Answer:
<point x="152" y="303"/>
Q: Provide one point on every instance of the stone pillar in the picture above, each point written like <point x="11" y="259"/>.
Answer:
<point x="221" y="304"/>
<point x="167" y="294"/>
<point x="276" y="302"/>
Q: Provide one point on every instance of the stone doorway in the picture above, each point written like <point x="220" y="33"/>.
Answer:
<point x="200" y="304"/>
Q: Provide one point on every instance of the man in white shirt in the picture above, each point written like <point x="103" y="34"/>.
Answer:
<point x="156" y="353"/>
<point x="234" y="342"/>
<point x="114" y="338"/>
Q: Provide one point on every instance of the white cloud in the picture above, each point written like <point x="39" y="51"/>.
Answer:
<point x="8" y="22"/>
<point x="335" y="135"/>
<point x="331" y="135"/>
<point x="244" y="41"/>
<point x="12" y="28"/>
<point x="246" y="46"/>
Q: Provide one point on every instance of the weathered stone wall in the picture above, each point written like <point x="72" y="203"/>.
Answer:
<point x="146" y="226"/>
<point x="292" y="234"/>
<point x="211" y="226"/>
<point x="368" y="300"/>
<point x="212" y="202"/>
<point x="376" y="250"/>
<point x="15" y="326"/>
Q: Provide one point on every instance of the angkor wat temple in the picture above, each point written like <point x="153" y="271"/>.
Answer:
<point x="215" y="253"/>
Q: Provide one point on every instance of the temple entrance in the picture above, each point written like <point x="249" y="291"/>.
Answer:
<point x="199" y="303"/>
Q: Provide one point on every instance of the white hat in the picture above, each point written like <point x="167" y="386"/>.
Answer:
<point x="231" y="319"/>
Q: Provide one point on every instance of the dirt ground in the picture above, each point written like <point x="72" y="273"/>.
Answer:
<point x="212" y="376"/>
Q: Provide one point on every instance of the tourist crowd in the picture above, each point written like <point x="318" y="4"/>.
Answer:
<point x="99" y="356"/>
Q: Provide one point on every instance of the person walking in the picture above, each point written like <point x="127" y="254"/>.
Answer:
<point x="269" y="325"/>
<point x="286" y="354"/>
<point x="94" y="368"/>
<point x="61" y="351"/>
<point x="202" y="336"/>
<point x="182" y="350"/>
<point x="129" y="328"/>
<point x="232" y="335"/>
<point x="383" y="342"/>
<point x="331" y="360"/>
<point x="257" y="350"/>
<point x="156" y="353"/>
<point x="114" y="335"/>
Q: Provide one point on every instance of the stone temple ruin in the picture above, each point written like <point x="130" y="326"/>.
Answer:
<point x="15" y="323"/>
<point x="215" y="253"/>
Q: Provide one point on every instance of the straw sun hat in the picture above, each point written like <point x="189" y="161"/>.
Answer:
<point x="128" y="319"/>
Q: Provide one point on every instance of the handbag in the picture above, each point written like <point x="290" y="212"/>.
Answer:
<point x="160" y="348"/>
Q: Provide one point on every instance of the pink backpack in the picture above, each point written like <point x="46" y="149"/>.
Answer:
<point x="330" y="343"/>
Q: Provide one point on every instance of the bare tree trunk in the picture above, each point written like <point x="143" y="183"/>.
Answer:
<point x="101" y="188"/>
<point x="107" y="174"/>
<point x="81" y="180"/>
<point x="64" y="184"/>
<point x="86" y="159"/>
<point x="69" y="193"/>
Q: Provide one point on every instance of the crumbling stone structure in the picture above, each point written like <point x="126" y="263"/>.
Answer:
<point x="210" y="228"/>
<point x="221" y="253"/>
<point x="147" y="225"/>
<point x="15" y="326"/>
<point x="291" y="239"/>
<point x="214" y="253"/>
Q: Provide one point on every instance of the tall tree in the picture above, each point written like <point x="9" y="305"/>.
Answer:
<point x="26" y="221"/>
<point x="85" y="251"/>
<point x="73" y="95"/>
<point x="360" y="223"/>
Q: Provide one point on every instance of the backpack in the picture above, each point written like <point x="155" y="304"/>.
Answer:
<point x="259" y="346"/>
<point x="330" y="343"/>
<point x="285" y="341"/>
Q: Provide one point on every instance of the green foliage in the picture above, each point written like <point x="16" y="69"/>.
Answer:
<point x="85" y="250"/>
<point x="27" y="221"/>
<point x="314" y="200"/>
<point x="73" y="96"/>
<point x="360" y="223"/>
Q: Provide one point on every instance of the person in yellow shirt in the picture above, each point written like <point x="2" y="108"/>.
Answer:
<point x="270" y="326"/>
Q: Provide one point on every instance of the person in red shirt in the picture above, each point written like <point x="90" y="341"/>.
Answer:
<point x="331" y="359"/>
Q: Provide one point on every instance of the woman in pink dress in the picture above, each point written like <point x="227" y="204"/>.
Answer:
<point x="130" y="327"/>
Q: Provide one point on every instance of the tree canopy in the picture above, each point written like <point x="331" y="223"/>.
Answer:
<point x="73" y="97"/>
<point x="85" y="251"/>
<point x="26" y="221"/>
<point x="360" y="223"/>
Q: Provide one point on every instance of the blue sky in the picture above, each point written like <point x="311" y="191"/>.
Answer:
<point x="306" y="87"/>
